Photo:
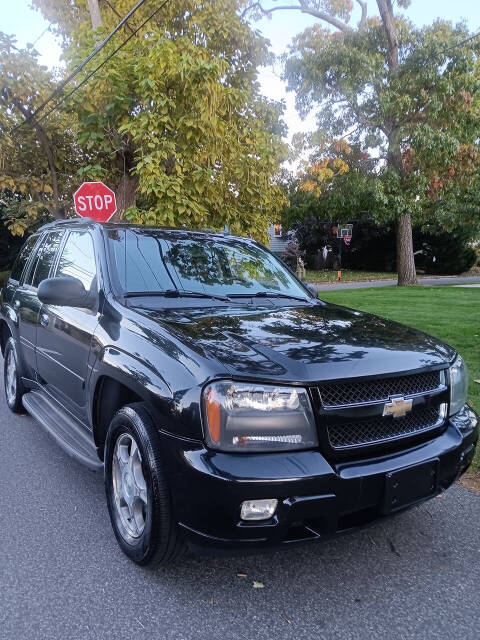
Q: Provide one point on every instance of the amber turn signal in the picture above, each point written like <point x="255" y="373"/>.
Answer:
<point x="212" y="407"/>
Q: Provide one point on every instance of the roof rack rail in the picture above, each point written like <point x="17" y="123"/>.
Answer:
<point x="54" y="223"/>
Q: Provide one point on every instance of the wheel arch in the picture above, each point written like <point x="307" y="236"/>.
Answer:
<point x="109" y="396"/>
<point x="121" y="379"/>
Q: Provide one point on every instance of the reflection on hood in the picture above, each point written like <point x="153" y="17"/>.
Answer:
<point x="304" y="343"/>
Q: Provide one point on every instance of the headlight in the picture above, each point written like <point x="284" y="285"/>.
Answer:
<point x="458" y="385"/>
<point x="249" y="417"/>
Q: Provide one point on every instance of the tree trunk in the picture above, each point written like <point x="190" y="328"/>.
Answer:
<point x="407" y="274"/>
<point x="95" y="14"/>
<point x="126" y="195"/>
<point x="385" y="8"/>
<point x="405" y="258"/>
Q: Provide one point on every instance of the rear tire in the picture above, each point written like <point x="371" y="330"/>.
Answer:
<point x="14" y="389"/>
<point x="137" y="491"/>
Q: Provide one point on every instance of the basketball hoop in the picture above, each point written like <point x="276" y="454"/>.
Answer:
<point x="345" y="230"/>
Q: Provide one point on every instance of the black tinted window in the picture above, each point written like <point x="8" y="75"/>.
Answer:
<point x="78" y="258"/>
<point x="47" y="250"/>
<point x="22" y="258"/>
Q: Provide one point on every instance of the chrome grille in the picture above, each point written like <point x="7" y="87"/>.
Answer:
<point x="338" y="394"/>
<point x="373" y="430"/>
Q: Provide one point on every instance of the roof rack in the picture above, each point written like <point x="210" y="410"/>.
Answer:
<point x="63" y="221"/>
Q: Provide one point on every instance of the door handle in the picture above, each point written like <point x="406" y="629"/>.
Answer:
<point x="44" y="319"/>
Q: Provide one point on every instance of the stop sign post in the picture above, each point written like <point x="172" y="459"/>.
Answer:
<point x="95" y="200"/>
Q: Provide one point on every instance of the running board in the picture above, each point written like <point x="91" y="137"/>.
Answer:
<point x="63" y="427"/>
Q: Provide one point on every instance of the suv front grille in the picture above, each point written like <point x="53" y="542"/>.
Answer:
<point x="375" y="430"/>
<point x="338" y="394"/>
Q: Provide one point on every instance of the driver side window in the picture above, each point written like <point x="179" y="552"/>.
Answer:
<point x="78" y="258"/>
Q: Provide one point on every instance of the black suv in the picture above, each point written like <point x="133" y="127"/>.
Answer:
<point x="229" y="407"/>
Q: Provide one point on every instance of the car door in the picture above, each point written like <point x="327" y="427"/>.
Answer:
<point x="65" y="333"/>
<point x="25" y="300"/>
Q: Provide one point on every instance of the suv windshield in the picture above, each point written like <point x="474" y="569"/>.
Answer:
<point x="153" y="262"/>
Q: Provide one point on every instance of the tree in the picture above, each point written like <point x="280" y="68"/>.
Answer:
<point x="406" y="92"/>
<point x="174" y="119"/>
<point x="338" y="187"/>
<point x="37" y="159"/>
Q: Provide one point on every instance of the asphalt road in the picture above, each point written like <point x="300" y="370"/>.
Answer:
<point x="442" y="280"/>
<point x="62" y="576"/>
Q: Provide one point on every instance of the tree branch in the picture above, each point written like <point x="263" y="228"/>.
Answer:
<point x="303" y="8"/>
<point x="363" y="19"/>
<point x="48" y="150"/>
<point x="386" y="12"/>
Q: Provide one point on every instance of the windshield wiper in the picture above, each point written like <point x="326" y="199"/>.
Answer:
<point x="174" y="293"/>
<point x="267" y="294"/>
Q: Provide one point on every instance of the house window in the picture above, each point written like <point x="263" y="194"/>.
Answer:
<point x="277" y="230"/>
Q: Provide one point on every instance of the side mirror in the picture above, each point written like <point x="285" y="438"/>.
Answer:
<point x="64" y="292"/>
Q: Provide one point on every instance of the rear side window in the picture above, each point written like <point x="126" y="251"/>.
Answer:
<point x="78" y="258"/>
<point x="22" y="258"/>
<point x="44" y="259"/>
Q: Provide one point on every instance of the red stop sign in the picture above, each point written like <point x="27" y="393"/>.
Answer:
<point x="95" y="200"/>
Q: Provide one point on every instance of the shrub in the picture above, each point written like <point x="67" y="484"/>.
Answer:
<point x="292" y="253"/>
<point x="444" y="253"/>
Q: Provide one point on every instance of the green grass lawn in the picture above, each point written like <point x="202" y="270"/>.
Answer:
<point x="348" y="276"/>
<point x="450" y="313"/>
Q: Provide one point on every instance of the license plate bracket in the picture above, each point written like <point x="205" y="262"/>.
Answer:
<point x="410" y="485"/>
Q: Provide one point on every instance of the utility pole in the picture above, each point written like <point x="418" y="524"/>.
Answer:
<point x="95" y="14"/>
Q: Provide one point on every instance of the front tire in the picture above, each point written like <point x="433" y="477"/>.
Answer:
<point x="14" y="389"/>
<point x="137" y="492"/>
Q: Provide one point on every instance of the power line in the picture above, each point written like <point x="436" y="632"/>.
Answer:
<point x="83" y="64"/>
<point x="85" y="80"/>
<point x="41" y="35"/>
<point x="110" y="6"/>
<point x="460" y="44"/>
<point x="436" y="55"/>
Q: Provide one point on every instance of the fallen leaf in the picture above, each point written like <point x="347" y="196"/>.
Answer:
<point x="241" y="575"/>
<point x="212" y="600"/>
<point x="286" y="619"/>
<point x="258" y="585"/>
<point x="140" y="623"/>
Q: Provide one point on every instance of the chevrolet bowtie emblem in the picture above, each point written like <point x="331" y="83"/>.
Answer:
<point x="397" y="407"/>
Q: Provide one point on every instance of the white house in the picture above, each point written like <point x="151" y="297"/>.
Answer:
<point x="278" y="238"/>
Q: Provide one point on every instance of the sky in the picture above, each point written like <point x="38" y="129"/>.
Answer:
<point x="28" y="26"/>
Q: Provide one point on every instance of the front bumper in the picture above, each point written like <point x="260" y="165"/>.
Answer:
<point x="315" y="497"/>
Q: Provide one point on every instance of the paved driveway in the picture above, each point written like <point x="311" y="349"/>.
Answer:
<point x="62" y="576"/>
<point x="430" y="282"/>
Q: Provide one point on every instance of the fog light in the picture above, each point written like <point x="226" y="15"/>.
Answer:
<point x="258" y="509"/>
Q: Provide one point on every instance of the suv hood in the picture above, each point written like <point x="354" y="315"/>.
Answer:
<point x="303" y="342"/>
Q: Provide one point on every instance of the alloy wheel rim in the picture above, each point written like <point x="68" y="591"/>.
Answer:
<point x="11" y="377"/>
<point x="129" y="485"/>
